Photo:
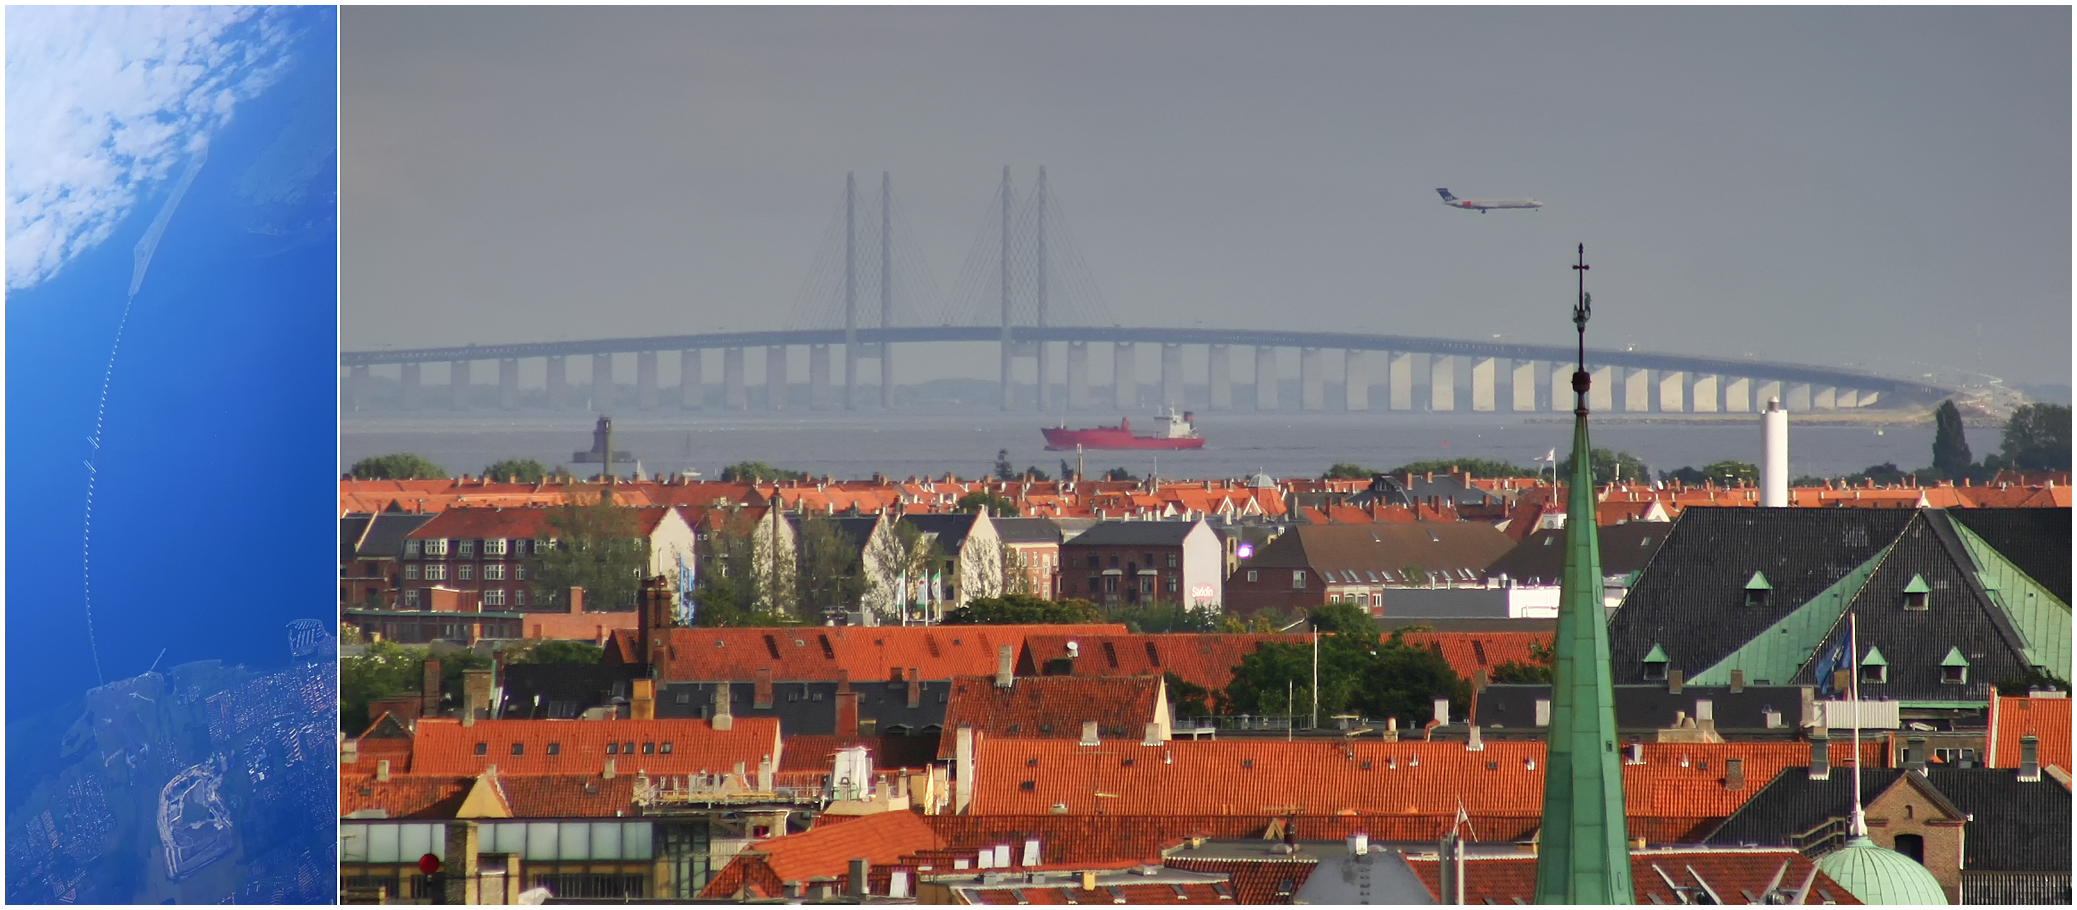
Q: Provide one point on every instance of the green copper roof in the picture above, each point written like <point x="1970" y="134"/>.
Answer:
<point x="1954" y="658"/>
<point x="2042" y="619"/>
<point x="1779" y="653"/>
<point x="1879" y="876"/>
<point x="1657" y="655"/>
<point x="1583" y="853"/>
<point x="1918" y="585"/>
<point x="1758" y="582"/>
<point x="1874" y="658"/>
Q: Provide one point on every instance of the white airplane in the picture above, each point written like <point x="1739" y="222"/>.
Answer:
<point x="1483" y="204"/>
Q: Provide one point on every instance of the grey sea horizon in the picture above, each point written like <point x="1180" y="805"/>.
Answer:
<point x="856" y="445"/>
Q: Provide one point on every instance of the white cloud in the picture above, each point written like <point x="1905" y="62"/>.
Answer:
<point x="104" y="103"/>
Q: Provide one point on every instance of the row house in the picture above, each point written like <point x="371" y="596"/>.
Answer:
<point x="483" y="553"/>
<point x="371" y="551"/>
<point x="1421" y="567"/>
<point x="1144" y="562"/>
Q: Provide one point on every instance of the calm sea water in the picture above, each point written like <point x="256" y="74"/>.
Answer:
<point x="904" y="443"/>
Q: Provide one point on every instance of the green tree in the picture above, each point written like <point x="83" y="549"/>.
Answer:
<point x="758" y="472"/>
<point x="1607" y="465"/>
<point x="2037" y="438"/>
<point x="1036" y="473"/>
<point x="1542" y="659"/>
<point x="1118" y="474"/>
<point x="516" y="470"/>
<point x="999" y="506"/>
<point x="1479" y="467"/>
<point x="1190" y="699"/>
<point x="1950" y="445"/>
<point x="728" y="591"/>
<point x="1342" y="470"/>
<point x="596" y="546"/>
<point x="2033" y="678"/>
<point x="830" y="575"/>
<point x="1732" y="472"/>
<point x="1003" y="469"/>
<point x="397" y="466"/>
<point x="1358" y="673"/>
<point x="1021" y="609"/>
<point x="555" y="651"/>
<point x="1164" y="616"/>
<point x="1884" y="473"/>
<point x="382" y="670"/>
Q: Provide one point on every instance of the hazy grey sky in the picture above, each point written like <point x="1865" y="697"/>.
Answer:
<point x="1855" y="186"/>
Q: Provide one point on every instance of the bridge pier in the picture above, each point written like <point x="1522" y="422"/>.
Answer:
<point x="1705" y="393"/>
<point x="736" y="395"/>
<point x="1673" y="386"/>
<point x="1442" y="382"/>
<point x="1124" y="376"/>
<point x="1355" y="385"/>
<point x="775" y="375"/>
<point x="408" y="380"/>
<point x="1848" y="398"/>
<point x="1637" y="390"/>
<point x="357" y="388"/>
<point x="1401" y="389"/>
<point x="1768" y="390"/>
<point x="691" y="394"/>
<point x="602" y="382"/>
<point x="1738" y="395"/>
<point x="1601" y="397"/>
<point x="1799" y="397"/>
<point x="508" y="384"/>
<point x="1482" y="384"/>
<point x="1078" y="374"/>
<point x="1172" y="376"/>
<point x="1265" y="378"/>
<point x="645" y="380"/>
<point x="458" y="385"/>
<point x="1524" y="385"/>
<point x="1312" y="392"/>
<point x="558" y="383"/>
<point x="1219" y="376"/>
<point x="818" y="377"/>
<point x="1561" y="387"/>
<point x="1825" y="398"/>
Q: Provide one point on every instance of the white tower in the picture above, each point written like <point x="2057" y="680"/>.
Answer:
<point x="1774" y="470"/>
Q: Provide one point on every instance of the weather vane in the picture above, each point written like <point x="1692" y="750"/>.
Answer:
<point x="1581" y="312"/>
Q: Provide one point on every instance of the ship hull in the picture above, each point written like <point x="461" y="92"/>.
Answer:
<point x="1061" y="439"/>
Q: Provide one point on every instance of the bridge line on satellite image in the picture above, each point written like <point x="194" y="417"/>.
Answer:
<point x="145" y="247"/>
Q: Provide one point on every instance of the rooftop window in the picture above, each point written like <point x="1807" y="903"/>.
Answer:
<point x="1915" y="593"/>
<point x="482" y="748"/>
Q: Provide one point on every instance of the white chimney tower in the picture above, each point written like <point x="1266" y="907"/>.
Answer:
<point x="1774" y="470"/>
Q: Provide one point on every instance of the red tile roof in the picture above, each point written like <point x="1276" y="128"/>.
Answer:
<point x="2046" y="719"/>
<point x="1731" y="873"/>
<point x="1053" y="707"/>
<point x="403" y="795"/>
<point x="1205" y="660"/>
<point x="444" y="746"/>
<point x="1137" y="895"/>
<point x="881" y="839"/>
<point x="864" y="652"/>
<point x="1255" y="882"/>
<point x="1469" y="652"/>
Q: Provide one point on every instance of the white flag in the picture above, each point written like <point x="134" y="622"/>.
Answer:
<point x="1551" y="456"/>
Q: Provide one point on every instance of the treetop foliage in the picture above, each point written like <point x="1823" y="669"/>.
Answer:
<point x="1022" y="609"/>
<point x="515" y="470"/>
<point x="397" y="466"/>
<point x="758" y="472"/>
<point x="1000" y="506"/>
<point x="2037" y="438"/>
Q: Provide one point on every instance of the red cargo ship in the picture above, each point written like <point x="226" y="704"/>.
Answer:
<point x="1179" y="432"/>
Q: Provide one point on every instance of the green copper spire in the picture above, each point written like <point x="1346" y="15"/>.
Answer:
<point x="1583" y="854"/>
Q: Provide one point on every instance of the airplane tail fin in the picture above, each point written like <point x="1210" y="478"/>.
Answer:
<point x="1446" y="197"/>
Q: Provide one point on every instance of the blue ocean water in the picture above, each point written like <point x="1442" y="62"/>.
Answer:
<point x="213" y="516"/>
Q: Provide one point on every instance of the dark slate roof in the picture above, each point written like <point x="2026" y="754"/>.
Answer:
<point x="857" y="530"/>
<point x="1134" y="533"/>
<point x="810" y="708"/>
<point x="350" y="529"/>
<point x="1396" y="490"/>
<point x="2017" y="826"/>
<point x="1540" y="558"/>
<point x="951" y="529"/>
<point x="380" y="536"/>
<point x="1690" y="598"/>
<point x="1652" y="707"/>
<point x="581" y="686"/>
<point x="1027" y="530"/>
<point x="2035" y="540"/>
<point x="1460" y="551"/>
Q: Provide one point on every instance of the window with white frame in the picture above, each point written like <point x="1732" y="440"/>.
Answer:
<point x="1297" y="578"/>
<point x="436" y="546"/>
<point x="519" y="571"/>
<point x="466" y="549"/>
<point x="410" y="549"/>
<point x="494" y="546"/>
<point x="436" y="571"/>
<point x="411" y="572"/>
<point x="494" y="572"/>
<point x="494" y="597"/>
<point x="519" y="597"/>
<point x="1251" y="574"/>
<point x="464" y="572"/>
<point x="411" y="598"/>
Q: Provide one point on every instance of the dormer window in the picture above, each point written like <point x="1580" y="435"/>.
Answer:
<point x="1655" y="663"/>
<point x="494" y="547"/>
<point x="1915" y="593"/>
<point x="1757" y="590"/>
<point x="1954" y="668"/>
<point x="1874" y="667"/>
<point x="465" y="548"/>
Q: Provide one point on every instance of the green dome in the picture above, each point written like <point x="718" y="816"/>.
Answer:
<point x="1879" y="876"/>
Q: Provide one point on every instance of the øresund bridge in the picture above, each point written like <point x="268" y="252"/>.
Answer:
<point x="1025" y="289"/>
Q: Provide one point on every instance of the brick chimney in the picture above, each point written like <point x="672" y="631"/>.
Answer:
<point x="643" y="705"/>
<point x="2029" y="758"/>
<point x="576" y="600"/>
<point x="847" y="711"/>
<point x="1820" y="755"/>
<point x="1734" y="774"/>
<point x="915" y="690"/>
<point x="1673" y="681"/>
<point x="1915" y="753"/>
<point x="1003" y="667"/>
<point x="476" y="691"/>
<point x="1737" y="681"/>
<point x="430" y="689"/>
<point x="724" y="708"/>
<point x="382" y="771"/>
<point x="762" y="696"/>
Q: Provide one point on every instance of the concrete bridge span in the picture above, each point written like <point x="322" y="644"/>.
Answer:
<point x="1416" y="373"/>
